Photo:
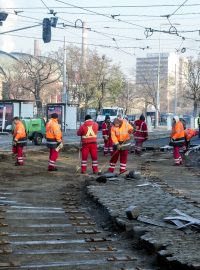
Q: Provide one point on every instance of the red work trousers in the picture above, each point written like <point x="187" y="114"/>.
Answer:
<point x="108" y="146"/>
<point x="18" y="151"/>
<point x="138" y="147"/>
<point x="92" y="149"/>
<point x="123" y="160"/>
<point x="53" y="155"/>
<point x="177" y="155"/>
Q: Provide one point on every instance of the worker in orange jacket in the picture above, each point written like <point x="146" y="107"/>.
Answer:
<point x="189" y="134"/>
<point x="177" y="139"/>
<point x="88" y="132"/>
<point x="19" y="140"/>
<point x="120" y="134"/>
<point x="54" y="140"/>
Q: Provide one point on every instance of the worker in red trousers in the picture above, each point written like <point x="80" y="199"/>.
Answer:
<point x="19" y="140"/>
<point x="106" y="132"/>
<point x="140" y="134"/>
<point x="54" y="140"/>
<point x="120" y="133"/>
<point x="88" y="132"/>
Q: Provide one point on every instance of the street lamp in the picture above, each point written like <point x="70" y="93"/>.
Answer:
<point x="158" y="79"/>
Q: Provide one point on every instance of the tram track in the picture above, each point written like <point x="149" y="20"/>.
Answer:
<point x="46" y="222"/>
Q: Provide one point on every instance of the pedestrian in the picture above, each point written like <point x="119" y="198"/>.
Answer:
<point x="120" y="134"/>
<point x="189" y="134"/>
<point x="140" y="134"/>
<point x="19" y="140"/>
<point x="106" y="132"/>
<point x="54" y="140"/>
<point x="198" y="121"/>
<point x="177" y="139"/>
<point x="88" y="132"/>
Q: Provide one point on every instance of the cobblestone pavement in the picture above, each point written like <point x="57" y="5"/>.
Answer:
<point x="167" y="188"/>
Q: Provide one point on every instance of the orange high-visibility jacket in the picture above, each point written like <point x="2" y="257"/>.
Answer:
<point x="53" y="131"/>
<point x="121" y="134"/>
<point x="189" y="133"/>
<point x="177" y="131"/>
<point x="19" y="132"/>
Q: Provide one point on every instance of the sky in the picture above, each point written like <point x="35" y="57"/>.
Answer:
<point x="120" y="29"/>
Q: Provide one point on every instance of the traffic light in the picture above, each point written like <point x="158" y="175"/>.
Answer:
<point x="46" y="27"/>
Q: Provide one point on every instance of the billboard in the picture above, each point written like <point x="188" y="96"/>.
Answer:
<point x="53" y="108"/>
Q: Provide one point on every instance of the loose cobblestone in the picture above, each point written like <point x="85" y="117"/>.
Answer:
<point x="180" y="249"/>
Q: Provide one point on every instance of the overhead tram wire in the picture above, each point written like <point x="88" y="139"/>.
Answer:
<point x="112" y="6"/>
<point x="119" y="20"/>
<point x="89" y="29"/>
<point x="98" y="32"/>
<point x="178" y="8"/>
<point x="45" y="5"/>
<point x="79" y="43"/>
<point x="100" y="14"/>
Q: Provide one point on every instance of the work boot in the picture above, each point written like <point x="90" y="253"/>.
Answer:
<point x="19" y="164"/>
<point x="52" y="169"/>
<point x="176" y="164"/>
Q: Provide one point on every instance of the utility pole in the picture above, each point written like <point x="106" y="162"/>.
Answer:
<point x="64" y="94"/>
<point x="158" y="87"/>
<point x="84" y="44"/>
<point x="175" y="93"/>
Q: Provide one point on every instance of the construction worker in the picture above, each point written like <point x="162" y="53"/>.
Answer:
<point x="120" y="134"/>
<point x="106" y="132"/>
<point x="189" y="134"/>
<point x="177" y="139"/>
<point x="198" y="122"/>
<point x="88" y="132"/>
<point x="140" y="134"/>
<point x="54" y="140"/>
<point x="19" y="140"/>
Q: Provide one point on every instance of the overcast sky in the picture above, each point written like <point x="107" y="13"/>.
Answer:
<point x="118" y="28"/>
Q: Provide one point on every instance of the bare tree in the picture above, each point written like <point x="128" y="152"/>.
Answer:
<point x="35" y="74"/>
<point x="192" y="89"/>
<point x="94" y="83"/>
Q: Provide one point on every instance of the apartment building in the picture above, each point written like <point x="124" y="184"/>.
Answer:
<point x="170" y="69"/>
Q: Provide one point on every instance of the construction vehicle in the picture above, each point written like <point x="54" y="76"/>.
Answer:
<point x="35" y="129"/>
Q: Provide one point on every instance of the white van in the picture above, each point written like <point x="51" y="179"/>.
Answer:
<point x="113" y="112"/>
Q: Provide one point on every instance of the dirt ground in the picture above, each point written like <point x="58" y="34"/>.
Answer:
<point x="36" y="233"/>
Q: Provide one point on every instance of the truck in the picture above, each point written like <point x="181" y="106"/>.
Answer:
<point x="35" y="129"/>
<point x="113" y="112"/>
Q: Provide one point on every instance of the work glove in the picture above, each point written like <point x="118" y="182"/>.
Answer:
<point x="59" y="146"/>
<point x="115" y="147"/>
<point x="14" y="143"/>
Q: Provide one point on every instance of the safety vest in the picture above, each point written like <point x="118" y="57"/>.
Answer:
<point x="122" y="133"/>
<point x="178" y="134"/>
<point x="140" y="132"/>
<point x="88" y="131"/>
<point x="53" y="133"/>
<point x="19" y="134"/>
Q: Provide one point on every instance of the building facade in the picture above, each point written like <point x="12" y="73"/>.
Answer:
<point x="164" y="73"/>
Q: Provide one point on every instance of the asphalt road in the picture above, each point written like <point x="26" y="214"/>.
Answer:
<point x="71" y="137"/>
